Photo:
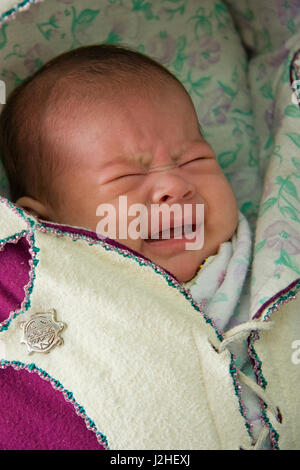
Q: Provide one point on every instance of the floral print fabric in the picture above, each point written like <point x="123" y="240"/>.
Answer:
<point x="272" y="33"/>
<point x="218" y="285"/>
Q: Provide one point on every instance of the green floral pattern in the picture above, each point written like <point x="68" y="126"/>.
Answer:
<point x="271" y="31"/>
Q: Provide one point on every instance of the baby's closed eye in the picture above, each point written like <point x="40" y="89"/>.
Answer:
<point x="196" y="160"/>
<point x="127" y="175"/>
<point x="122" y="177"/>
<point x="135" y="174"/>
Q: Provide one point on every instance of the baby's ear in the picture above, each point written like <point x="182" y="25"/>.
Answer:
<point x="34" y="207"/>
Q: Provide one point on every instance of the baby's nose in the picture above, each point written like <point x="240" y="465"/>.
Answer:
<point x="171" y="188"/>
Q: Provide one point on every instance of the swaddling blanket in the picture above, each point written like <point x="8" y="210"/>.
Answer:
<point x="132" y="364"/>
<point x="141" y="363"/>
<point x="217" y="287"/>
<point x="131" y="350"/>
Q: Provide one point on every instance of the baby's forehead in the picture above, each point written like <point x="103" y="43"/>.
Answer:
<point x="75" y="105"/>
<point x="74" y="101"/>
<point x="75" y="86"/>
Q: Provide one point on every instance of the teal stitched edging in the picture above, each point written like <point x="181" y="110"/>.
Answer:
<point x="12" y="238"/>
<point x="274" y="436"/>
<point x="17" y="210"/>
<point x="33" y="262"/>
<point x="285" y="298"/>
<point x="80" y="411"/>
<point x="237" y="389"/>
<point x="141" y="261"/>
<point x="9" y="14"/>
<point x="11" y="205"/>
<point x="257" y="363"/>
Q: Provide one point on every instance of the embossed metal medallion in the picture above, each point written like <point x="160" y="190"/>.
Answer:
<point x="41" y="332"/>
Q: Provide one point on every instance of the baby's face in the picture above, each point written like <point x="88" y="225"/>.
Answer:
<point x="125" y="148"/>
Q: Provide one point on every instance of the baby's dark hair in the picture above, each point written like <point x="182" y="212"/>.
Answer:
<point x="29" y="166"/>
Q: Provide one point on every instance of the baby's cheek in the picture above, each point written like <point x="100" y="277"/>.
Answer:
<point x="221" y="211"/>
<point x="225" y="195"/>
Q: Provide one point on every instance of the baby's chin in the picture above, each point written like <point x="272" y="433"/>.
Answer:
<point x="185" y="274"/>
<point x="183" y="269"/>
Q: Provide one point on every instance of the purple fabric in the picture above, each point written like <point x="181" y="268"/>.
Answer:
<point x="35" y="416"/>
<point x="275" y="297"/>
<point x="14" y="275"/>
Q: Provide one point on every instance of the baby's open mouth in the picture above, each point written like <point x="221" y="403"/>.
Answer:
<point x="171" y="233"/>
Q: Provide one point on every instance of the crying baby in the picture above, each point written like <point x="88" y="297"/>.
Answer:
<point x="105" y="123"/>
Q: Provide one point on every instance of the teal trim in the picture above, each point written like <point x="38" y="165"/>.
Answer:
<point x="25" y="4"/>
<point x="233" y="369"/>
<point x="257" y="366"/>
<point x="80" y="411"/>
<point x="257" y="363"/>
<point x="290" y="295"/>
<point x="29" y="288"/>
<point x="274" y="436"/>
<point x="17" y="210"/>
<point x="13" y="238"/>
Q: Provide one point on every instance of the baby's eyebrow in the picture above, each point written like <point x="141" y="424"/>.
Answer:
<point x="188" y="147"/>
<point x="144" y="159"/>
<point x="141" y="159"/>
